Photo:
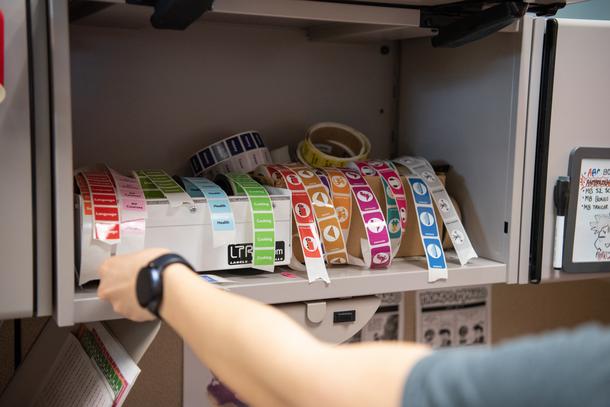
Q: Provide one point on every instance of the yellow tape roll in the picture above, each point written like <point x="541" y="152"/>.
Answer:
<point x="333" y="145"/>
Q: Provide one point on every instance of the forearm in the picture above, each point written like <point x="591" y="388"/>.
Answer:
<point x="255" y="349"/>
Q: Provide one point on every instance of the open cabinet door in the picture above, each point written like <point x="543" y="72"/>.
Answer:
<point x="16" y="250"/>
<point x="572" y="111"/>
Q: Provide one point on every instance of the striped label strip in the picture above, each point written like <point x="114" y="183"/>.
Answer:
<point x="304" y="218"/>
<point x="132" y="205"/>
<point x="378" y="254"/>
<point x="342" y="198"/>
<point x="394" y="194"/>
<point x="170" y="189"/>
<point x="221" y="214"/>
<point x="263" y="223"/>
<point x="239" y="153"/>
<point x="428" y="229"/>
<point x="333" y="244"/>
<point x="105" y="206"/>
<point x="455" y="228"/>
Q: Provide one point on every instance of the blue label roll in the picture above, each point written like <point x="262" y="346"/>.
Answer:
<point x="223" y="222"/>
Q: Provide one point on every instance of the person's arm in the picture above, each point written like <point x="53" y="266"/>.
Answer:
<point x="259" y="352"/>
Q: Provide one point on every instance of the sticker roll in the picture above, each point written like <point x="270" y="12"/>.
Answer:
<point x="342" y="198"/>
<point x="221" y="214"/>
<point x="304" y="219"/>
<point x="105" y="206"/>
<point x="428" y="229"/>
<point x="240" y="153"/>
<point x="263" y="222"/>
<point x="329" y="227"/>
<point x="333" y="145"/>
<point x="455" y="228"/>
<point x="132" y="206"/>
<point x="395" y="200"/>
<point x="376" y="248"/>
<point x="155" y="181"/>
<point x="96" y="251"/>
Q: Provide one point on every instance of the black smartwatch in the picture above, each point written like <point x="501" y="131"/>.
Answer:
<point x="149" y="285"/>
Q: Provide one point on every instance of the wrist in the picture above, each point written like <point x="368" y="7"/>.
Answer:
<point x="172" y="275"/>
<point x="151" y="280"/>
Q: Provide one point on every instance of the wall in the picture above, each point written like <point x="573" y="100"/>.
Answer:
<point x="591" y="10"/>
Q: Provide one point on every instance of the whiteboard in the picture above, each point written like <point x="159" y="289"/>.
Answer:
<point x="592" y="226"/>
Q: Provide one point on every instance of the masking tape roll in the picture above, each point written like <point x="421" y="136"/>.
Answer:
<point x="221" y="214"/>
<point x="395" y="200"/>
<point x="155" y="181"/>
<point x="428" y="229"/>
<point x="329" y="227"/>
<point x="376" y="248"/>
<point x="455" y="228"/>
<point x="304" y="218"/>
<point x="105" y="206"/>
<point x="333" y="145"/>
<point x="240" y="153"/>
<point x="263" y="222"/>
<point x="342" y="198"/>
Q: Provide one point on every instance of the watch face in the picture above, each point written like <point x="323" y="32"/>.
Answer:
<point x="145" y="285"/>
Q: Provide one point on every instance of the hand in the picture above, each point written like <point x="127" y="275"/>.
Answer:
<point x="118" y="277"/>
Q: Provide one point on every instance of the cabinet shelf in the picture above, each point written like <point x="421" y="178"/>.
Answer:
<point x="276" y="288"/>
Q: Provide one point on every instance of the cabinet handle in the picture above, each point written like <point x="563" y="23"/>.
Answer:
<point x="2" y="89"/>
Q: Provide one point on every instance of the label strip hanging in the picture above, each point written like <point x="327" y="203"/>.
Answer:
<point x="170" y="188"/>
<point x="376" y="249"/>
<point x="106" y="215"/>
<point x="428" y="230"/>
<point x="263" y="223"/>
<point x="132" y="206"/>
<point x="333" y="244"/>
<point x="342" y="198"/>
<point x="392" y="186"/>
<point x="304" y="219"/>
<point x="221" y="214"/>
<point x="455" y="228"/>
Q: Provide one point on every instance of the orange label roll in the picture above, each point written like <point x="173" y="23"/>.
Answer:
<point x="342" y="198"/>
<point x="329" y="226"/>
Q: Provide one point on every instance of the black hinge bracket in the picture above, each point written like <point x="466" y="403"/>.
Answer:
<point x="460" y="23"/>
<point x="175" y="14"/>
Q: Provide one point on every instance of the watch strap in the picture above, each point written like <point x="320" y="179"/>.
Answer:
<point x="153" y="271"/>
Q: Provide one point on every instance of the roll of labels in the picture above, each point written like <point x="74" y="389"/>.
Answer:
<point x="333" y="145"/>
<point x="240" y="153"/>
<point x="263" y="223"/>
<point x="424" y="175"/>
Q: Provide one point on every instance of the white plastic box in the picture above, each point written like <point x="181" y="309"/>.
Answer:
<point x="188" y="231"/>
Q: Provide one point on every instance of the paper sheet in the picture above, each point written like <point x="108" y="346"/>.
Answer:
<point x="91" y="370"/>
<point x="454" y="317"/>
<point x="73" y="381"/>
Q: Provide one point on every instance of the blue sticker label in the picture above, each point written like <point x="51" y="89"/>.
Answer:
<point x="248" y="141"/>
<point x="434" y="253"/>
<point x="258" y="140"/>
<point x="196" y="165"/>
<point x="192" y="190"/>
<point x="235" y="146"/>
<point x="207" y="160"/>
<point x="420" y="191"/>
<point x="427" y="221"/>
<point x="218" y="203"/>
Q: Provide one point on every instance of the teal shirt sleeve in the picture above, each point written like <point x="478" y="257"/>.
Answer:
<point x="559" y="369"/>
